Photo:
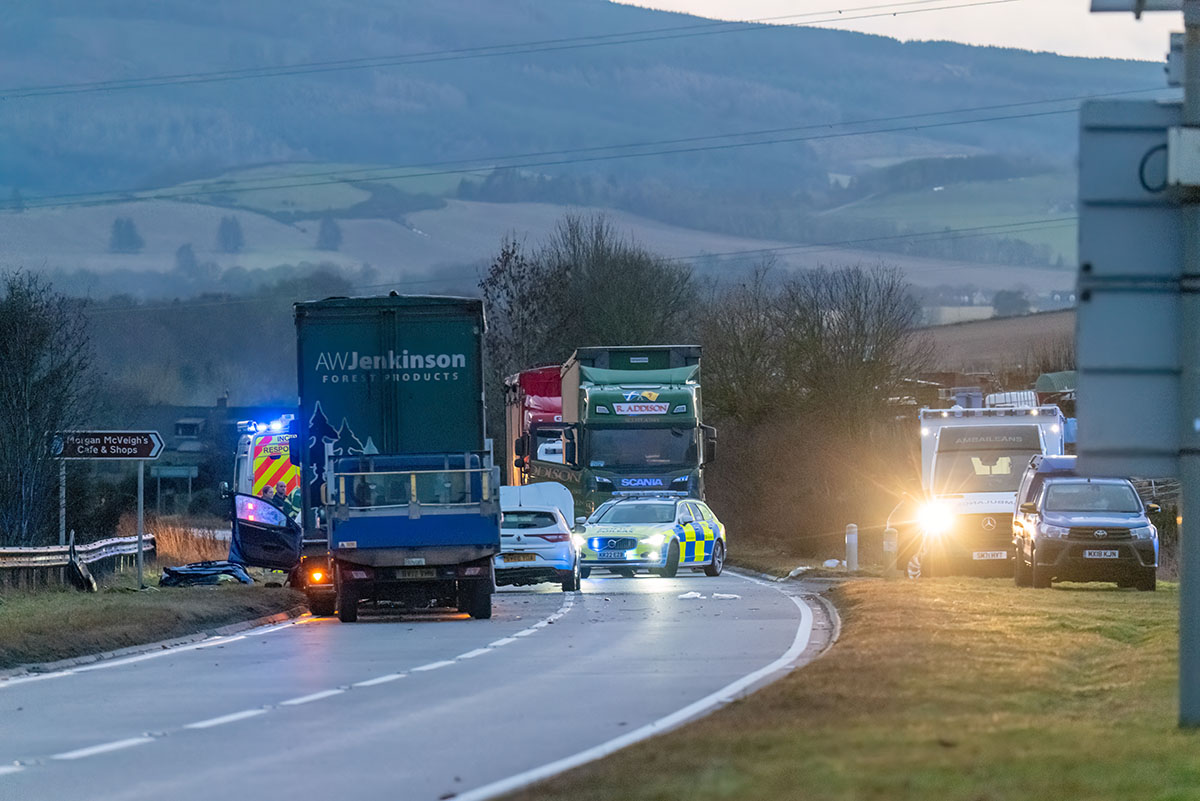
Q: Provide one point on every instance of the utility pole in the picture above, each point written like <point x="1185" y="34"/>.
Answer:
<point x="1183" y="191"/>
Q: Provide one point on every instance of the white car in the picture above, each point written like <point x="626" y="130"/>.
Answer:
<point x="536" y="542"/>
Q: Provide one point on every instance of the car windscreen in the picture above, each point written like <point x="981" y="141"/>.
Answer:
<point x="1088" y="497"/>
<point x="527" y="520"/>
<point x="639" y="513"/>
<point x="642" y="447"/>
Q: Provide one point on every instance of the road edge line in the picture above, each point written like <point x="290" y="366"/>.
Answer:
<point x="777" y="669"/>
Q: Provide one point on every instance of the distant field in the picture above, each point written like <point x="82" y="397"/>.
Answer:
<point x="982" y="203"/>
<point x="989" y="344"/>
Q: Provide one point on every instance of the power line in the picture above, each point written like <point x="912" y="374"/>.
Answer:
<point x="922" y="236"/>
<point x="436" y="56"/>
<point x="483" y="163"/>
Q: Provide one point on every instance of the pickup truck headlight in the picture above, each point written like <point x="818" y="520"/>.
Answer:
<point x="1054" y="532"/>
<point x="655" y="540"/>
<point x="1144" y="533"/>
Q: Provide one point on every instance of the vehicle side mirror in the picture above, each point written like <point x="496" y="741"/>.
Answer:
<point x="519" y="462"/>
<point x="1029" y="508"/>
<point x="710" y="443"/>
<point x="226" y="491"/>
<point x="1153" y="508"/>
<point x="579" y="521"/>
<point x="521" y="447"/>
<point x="569" y="452"/>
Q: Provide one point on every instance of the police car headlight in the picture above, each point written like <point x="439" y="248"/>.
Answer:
<point x="654" y="556"/>
<point x="655" y="540"/>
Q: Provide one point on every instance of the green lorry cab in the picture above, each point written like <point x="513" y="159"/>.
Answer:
<point x="631" y="421"/>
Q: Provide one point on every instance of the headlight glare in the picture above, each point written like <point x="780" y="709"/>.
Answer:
<point x="579" y="541"/>
<point x="655" y="540"/>
<point x="936" y="518"/>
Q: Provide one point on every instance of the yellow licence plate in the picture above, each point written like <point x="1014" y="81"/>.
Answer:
<point x="519" y="557"/>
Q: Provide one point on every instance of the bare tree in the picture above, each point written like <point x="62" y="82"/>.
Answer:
<point x="45" y="386"/>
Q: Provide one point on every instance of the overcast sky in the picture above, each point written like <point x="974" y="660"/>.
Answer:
<point x="1060" y="26"/>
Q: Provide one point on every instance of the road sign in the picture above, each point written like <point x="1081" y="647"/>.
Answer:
<point x="174" y="471"/>
<point x="137" y="445"/>
<point x="1131" y="260"/>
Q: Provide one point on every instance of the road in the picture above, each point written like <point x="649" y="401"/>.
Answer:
<point x="401" y="707"/>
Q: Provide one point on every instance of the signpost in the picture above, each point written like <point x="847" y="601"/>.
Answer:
<point x="107" y="445"/>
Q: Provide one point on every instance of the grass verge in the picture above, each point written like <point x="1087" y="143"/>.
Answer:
<point x="946" y="688"/>
<point x="48" y="625"/>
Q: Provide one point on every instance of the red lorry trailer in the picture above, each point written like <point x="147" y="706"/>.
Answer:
<point x="530" y="397"/>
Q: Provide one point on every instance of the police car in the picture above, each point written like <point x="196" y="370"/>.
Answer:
<point x="659" y="533"/>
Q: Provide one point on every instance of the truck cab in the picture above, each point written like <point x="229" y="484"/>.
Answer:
<point x="632" y="420"/>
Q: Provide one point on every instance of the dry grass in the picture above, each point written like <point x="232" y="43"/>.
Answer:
<point x="950" y="688"/>
<point x="49" y="625"/>
<point x="183" y="540"/>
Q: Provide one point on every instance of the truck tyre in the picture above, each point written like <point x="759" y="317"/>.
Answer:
<point x="717" y="564"/>
<point x="585" y="572"/>
<point x="1039" y="574"/>
<point x="1022" y="572"/>
<point x="347" y="609"/>
<point x="479" y="599"/>
<point x="322" y="606"/>
<point x="1147" y="580"/>
<point x="672" y="567"/>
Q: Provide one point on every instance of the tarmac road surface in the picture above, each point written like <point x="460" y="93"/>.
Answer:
<point x="402" y="707"/>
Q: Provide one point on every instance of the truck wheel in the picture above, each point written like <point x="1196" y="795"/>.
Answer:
<point x="715" y="567"/>
<point x="1022" y="573"/>
<point x="585" y="572"/>
<point x="1147" y="581"/>
<point x="1039" y="575"/>
<point x="322" y="606"/>
<point x="481" y="602"/>
<point x="347" y="610"/>
<point x="672" y="567"/>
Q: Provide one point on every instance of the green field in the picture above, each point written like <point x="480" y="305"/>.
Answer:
<point x="982" y="203"/>
<point x="944" y="689"/>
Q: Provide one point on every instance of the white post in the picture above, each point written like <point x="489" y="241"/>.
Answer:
<point x="891" y="550"/>
<point x="851" y="547"/>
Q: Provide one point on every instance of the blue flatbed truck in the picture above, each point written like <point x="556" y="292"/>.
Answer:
<point x="400" y="498"/>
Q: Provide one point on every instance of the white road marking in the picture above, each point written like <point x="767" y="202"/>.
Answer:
<point x="207" y="644"/>
<point x="232" y="718"/>
<point x="307" y="699"/>
<point x="120" y="662"/>
<point x="475" y="653"/>
<point x="116" y="745"/>
<point x="433" y="666"/>
<point x="35" y="677"/>
<point x="525" y="633"/>
<point x="7" y="769"/>
<point x="664" y="724"/>
<point x="379" y="680"/>
<point x="504" y="641"/>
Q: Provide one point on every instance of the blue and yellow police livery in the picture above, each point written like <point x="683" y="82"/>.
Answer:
<point x="659" y="533"/>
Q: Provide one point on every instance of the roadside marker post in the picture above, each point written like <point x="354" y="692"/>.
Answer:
<point x="891" y="550"/>
<point x="851" y="548"/>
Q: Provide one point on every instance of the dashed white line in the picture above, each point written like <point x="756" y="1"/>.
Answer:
<point x="473" y="654"/>
<point x="307" y="699"/>
<point x="525" y="633"/>
<point x="104" y="748"/>
<point x="504" y="641"/>
<point x="433" y="666"/>
<point x="231" y="718"/>
<point x="379" y="680"/>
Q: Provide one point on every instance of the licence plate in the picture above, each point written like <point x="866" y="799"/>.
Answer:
<point x="612" y="554"/>
<point x="416" y="572"/>
<point x="981" y="555"/>
<point x="1101" y="554"/>
<point x="519" y="557"/>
